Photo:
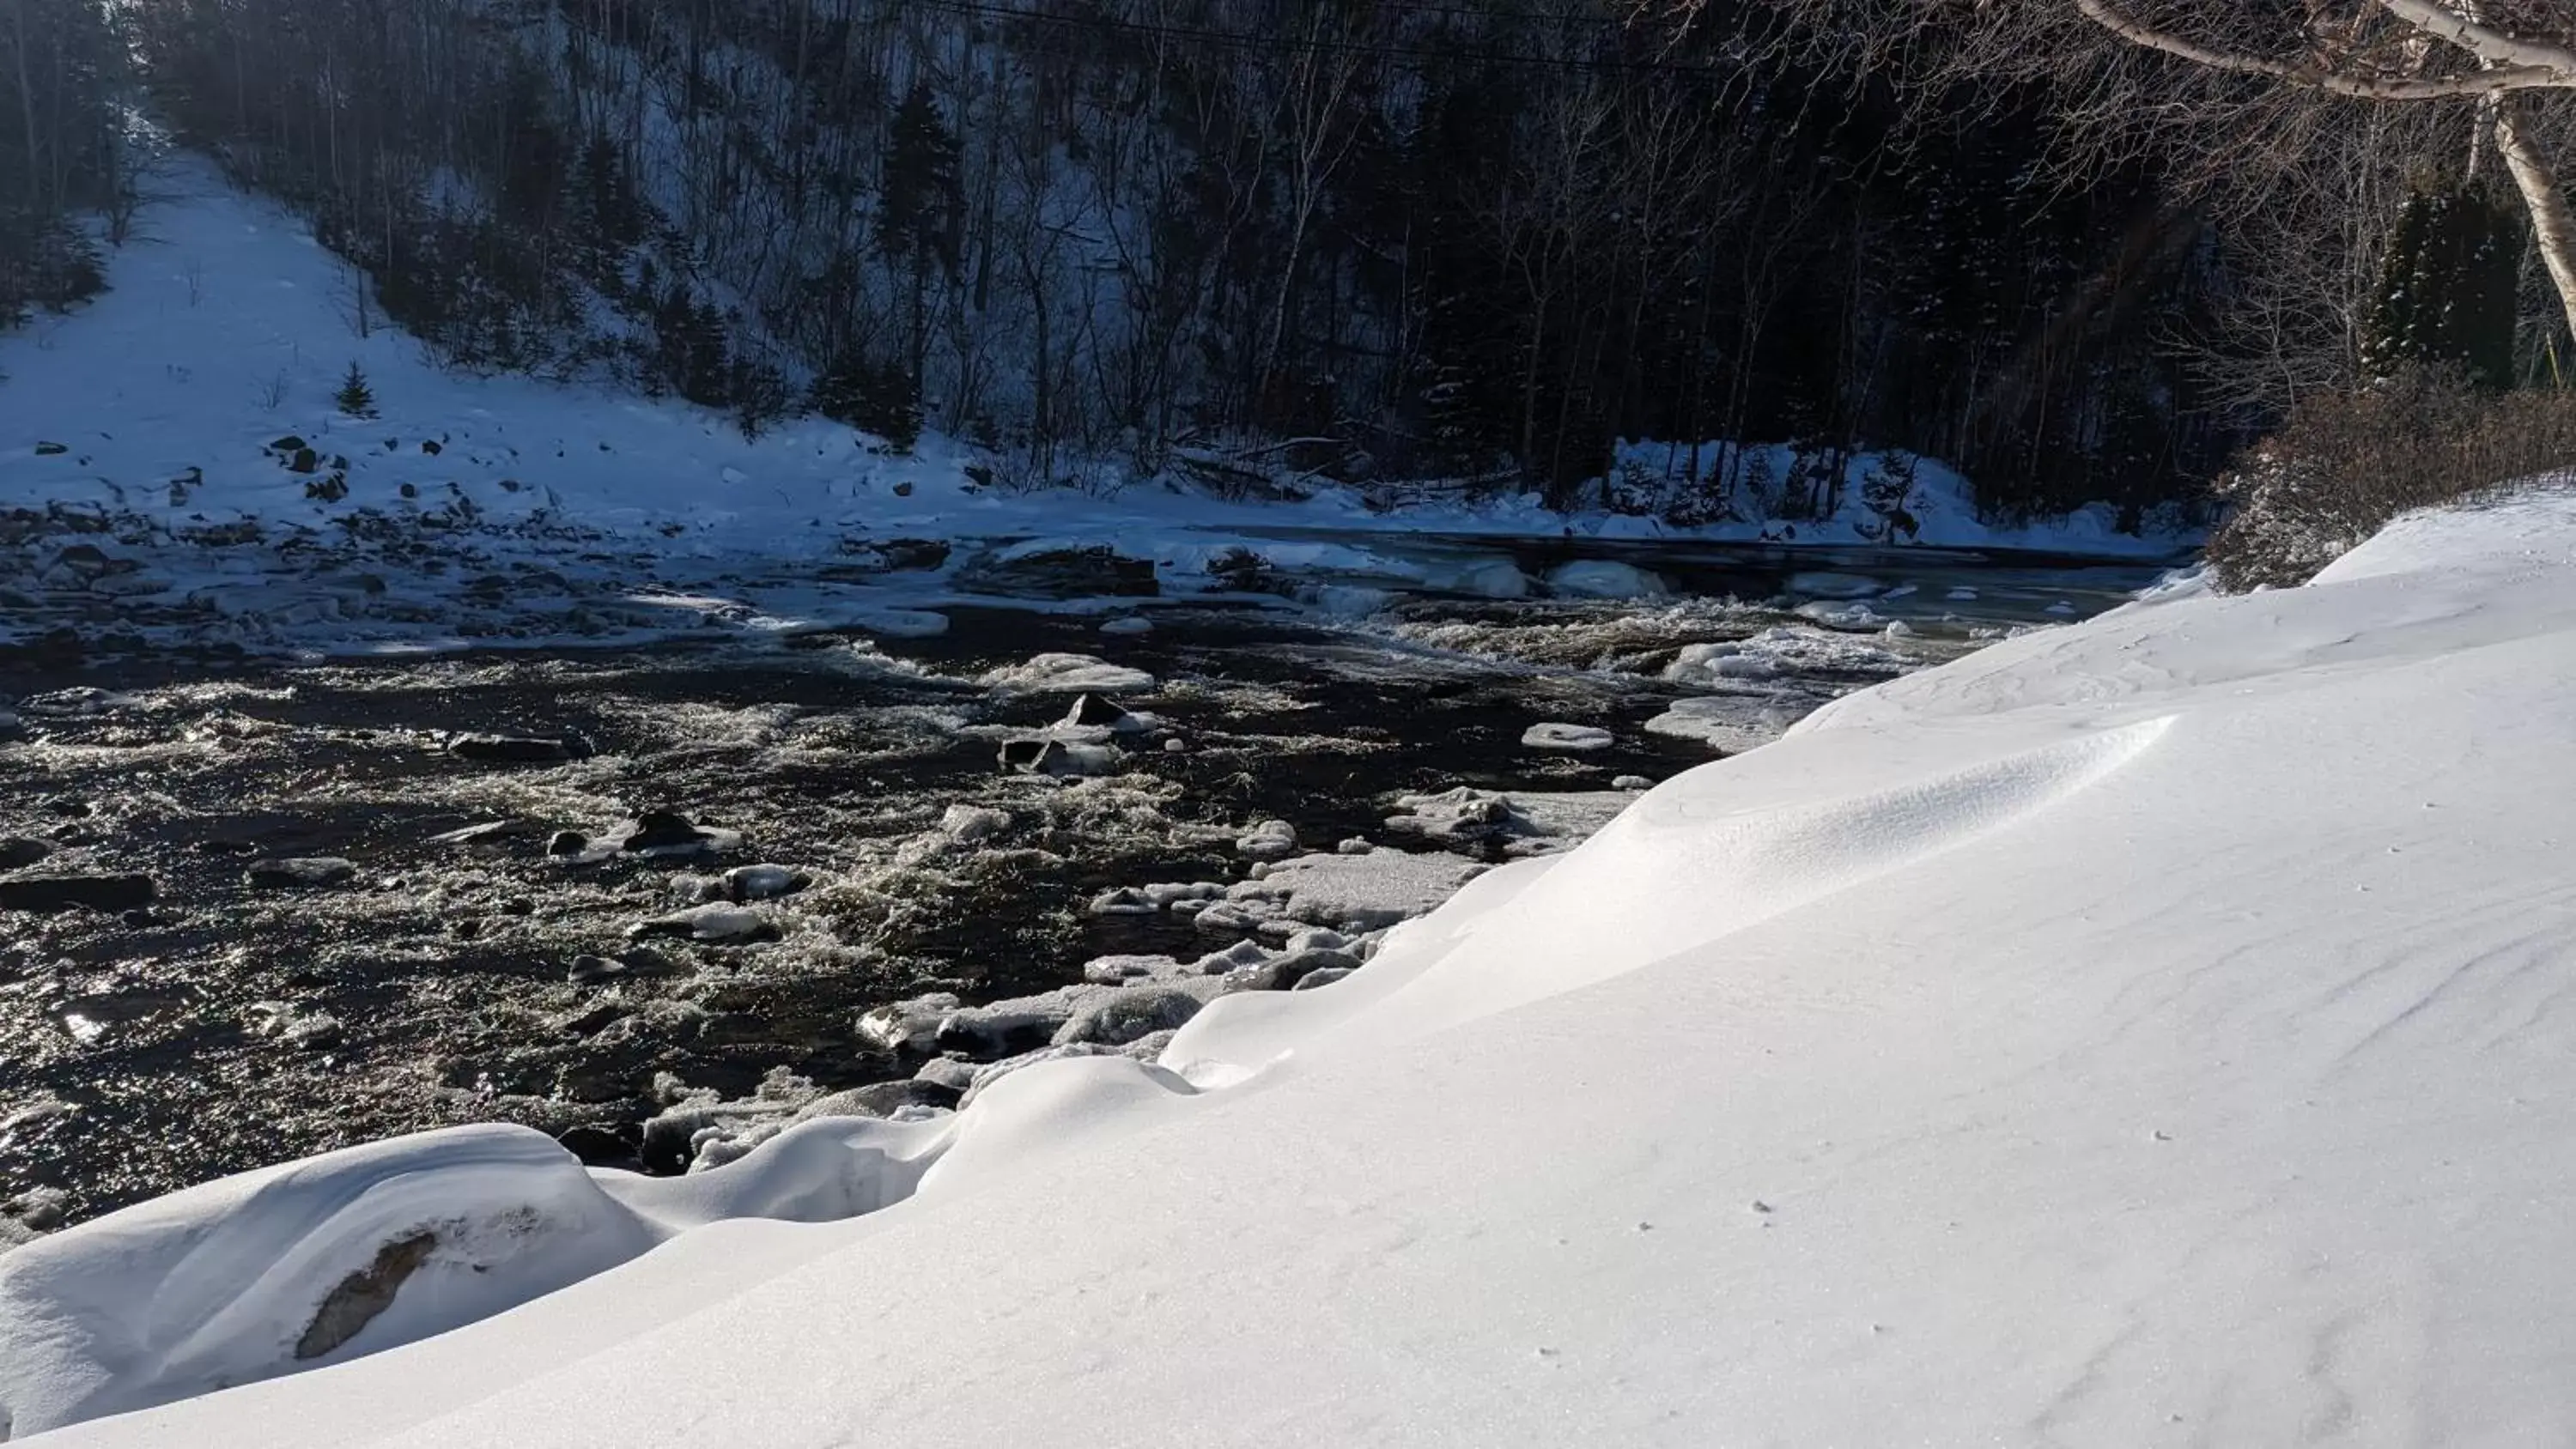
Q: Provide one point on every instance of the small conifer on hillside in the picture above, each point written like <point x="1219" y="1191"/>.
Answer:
<point x="355" y="398"/>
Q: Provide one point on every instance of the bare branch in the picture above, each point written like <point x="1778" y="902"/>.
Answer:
<point x="2312" y="75"/>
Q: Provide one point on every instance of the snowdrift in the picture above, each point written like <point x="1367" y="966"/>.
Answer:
<point x="2151" y="1031"/>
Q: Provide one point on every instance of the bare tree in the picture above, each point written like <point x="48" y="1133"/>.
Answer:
<point x="2244" y="80"/>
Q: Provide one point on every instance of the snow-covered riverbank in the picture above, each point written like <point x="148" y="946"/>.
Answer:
<point x="2141" y="1032"/>
<point x="174" y="468"/>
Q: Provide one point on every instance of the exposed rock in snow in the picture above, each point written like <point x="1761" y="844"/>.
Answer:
<point x="1067" y="674"/>
<point x="1605" y="579"/>
<point x="1567" y="738"/>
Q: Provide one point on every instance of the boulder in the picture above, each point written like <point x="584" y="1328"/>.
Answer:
<point x="520" y="750"/>
<point x="311" y="873"/>
<point x="66" y="892"/>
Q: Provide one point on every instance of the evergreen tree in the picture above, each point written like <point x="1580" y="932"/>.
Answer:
<point x="355" y="398"/>
<point x="873" y="399"/>
<point x="2446" y="293"/>
<point x="921" y="208"/>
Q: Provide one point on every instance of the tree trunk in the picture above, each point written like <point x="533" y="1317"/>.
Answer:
<point x="2553" y="222"/>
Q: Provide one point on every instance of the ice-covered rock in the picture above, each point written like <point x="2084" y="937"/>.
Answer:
<point x="715" y="924"/>
<point x="1567" y="738"/>
<point x="1485" y="578"/>
<point x="1123" y="901"/>
<point x="1016" y="1025"/>
<point x="1128" y="624"/>
<point x="1605" y="579"/>
<point x="1232" y="958"/>
<point x="1229" y="918"/>
<point x="1284" y="971"/>
<point x="973" y="824"/>
<point x="1818" y="584"/>
<point x="1729" y="724"/>
<point x="310" y="873"/>
<point x="911" y="1024"/>
<point x="951" y="1073"/>
<point x="1055" y="755"/>
<point x="1099" y="712"/>
<point x="296" y="1026"/>
<point x="1363" y="892"/>
<point x="1067" y="674"/>
<point x="1169" y="893"/>
<point x="1125" y="1015"/>
<point x="1632" y="782"/>
<point x="1269" y="840"/>
<point x="746" y="883"/>
<point x="1317" y="980"/>
<point x="1119" y="970"/>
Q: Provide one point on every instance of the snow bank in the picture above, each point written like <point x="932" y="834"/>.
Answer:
<point x="2138" y="1032"/>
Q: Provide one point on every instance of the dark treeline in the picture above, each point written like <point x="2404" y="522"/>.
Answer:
<point x="1420" y="239"/>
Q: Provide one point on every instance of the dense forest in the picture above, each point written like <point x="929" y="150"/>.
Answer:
<point x="1402" y="238"/>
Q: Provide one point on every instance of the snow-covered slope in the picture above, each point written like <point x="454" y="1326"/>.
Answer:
<point x="190" y="414"/>
<point x="2152" y="1031"/>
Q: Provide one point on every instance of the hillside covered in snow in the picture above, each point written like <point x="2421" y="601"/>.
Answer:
<point x="2148" y="1031"/>
<point x="183" y="435"/>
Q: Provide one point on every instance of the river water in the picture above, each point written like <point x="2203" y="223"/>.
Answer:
<point x="226" y="1025"/>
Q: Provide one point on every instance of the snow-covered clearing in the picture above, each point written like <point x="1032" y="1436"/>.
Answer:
<point x="183" y="429"/>
<point x="2147" y="1031"/>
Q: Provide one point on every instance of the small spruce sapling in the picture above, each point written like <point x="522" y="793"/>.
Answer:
<point x="355" y="398"/>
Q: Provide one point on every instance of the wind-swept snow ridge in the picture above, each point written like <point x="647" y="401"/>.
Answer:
<point x="2149" y="1032"/>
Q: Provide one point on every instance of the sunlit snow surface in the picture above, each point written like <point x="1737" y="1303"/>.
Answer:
<point x="2145" y="1032"/>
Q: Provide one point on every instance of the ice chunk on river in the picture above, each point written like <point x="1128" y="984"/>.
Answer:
<point x="1594" y="578"/>
<point x="1068" y="674"/>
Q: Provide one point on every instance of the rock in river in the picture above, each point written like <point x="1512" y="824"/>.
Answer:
<point x="308" y="874"/>
<point x="63" y="892"/>
<point x="516" y="750"/>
